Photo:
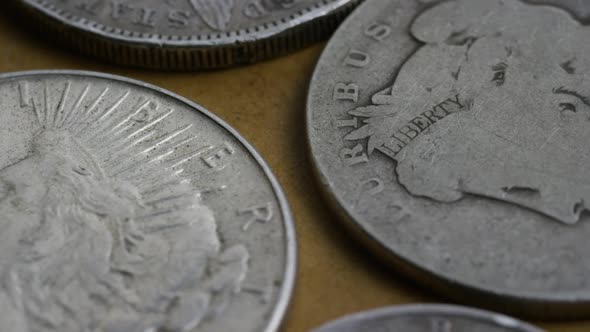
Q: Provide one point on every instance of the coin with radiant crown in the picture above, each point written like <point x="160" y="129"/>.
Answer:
<point x="186" y="34"/>
<point x="452" y="134"/>
<point x="427" y="318"/>
<point x="126" y="208"/>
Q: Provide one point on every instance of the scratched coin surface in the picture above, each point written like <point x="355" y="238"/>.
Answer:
<point x="126" y="208"/>
<point x="452" y="135"/>
<point x="187" y="34"/>
<point x="427" y="318"/>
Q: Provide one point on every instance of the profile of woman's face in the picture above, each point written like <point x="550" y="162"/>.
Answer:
<point x="30" y="187"/>
<point x="522" y="80"/>
<point x="19" y="208"/>
<point x="23" y="200"/>
<point x="22" y="189"/>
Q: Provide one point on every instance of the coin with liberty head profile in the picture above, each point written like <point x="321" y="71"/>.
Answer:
<point x="186" y="34"/>
<point x="126" y="208"/>
<point x="461" y="155"/>
<point x="427" y="318"/>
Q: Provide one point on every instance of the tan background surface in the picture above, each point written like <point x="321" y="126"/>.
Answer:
<point x="266" y="104"/>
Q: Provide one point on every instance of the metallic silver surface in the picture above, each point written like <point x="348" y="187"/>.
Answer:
<point x="126" y="208"/>
<point x="452" y="136"/>
<point x="187" y="34"/>
<point x="427" y="318"/>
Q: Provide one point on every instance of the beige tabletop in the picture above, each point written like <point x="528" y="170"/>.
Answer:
<point x="266" y="104"/>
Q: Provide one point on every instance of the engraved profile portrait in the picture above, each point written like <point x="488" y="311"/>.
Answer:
<point x="494" y="103"/>
<point x="101" y="230"/>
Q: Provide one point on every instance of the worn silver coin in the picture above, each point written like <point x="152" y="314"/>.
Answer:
<point x="187" y="34"/>
<point x="124" y="207"/>
<point x="452" y="135"/>
<point x="427" y="318"/>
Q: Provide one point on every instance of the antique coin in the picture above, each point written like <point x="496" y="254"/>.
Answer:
<point x="453" y="137"/>
<point x="427" y="318"/>
<point x="187" y="34"/>
<point x="124" y="207"/>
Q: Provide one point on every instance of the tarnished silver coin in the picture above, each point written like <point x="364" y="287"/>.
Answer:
<point x="187" y="34"/>
<point x="453" y="135"/>
<point x="427" y="318"/>
<point x="125" y="208"/>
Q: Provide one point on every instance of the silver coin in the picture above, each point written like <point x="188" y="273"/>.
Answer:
<point x="124" y="207"/>
<point x="452" y="136"/>
<point x="427" y="318"/>
<point x="187" y="34"/>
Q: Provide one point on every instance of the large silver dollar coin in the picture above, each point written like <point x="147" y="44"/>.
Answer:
<point x="125" y="208"/>
<point x="453" y="136"/>
<point x="427" y="318"/>
<point x="187" y="34"/>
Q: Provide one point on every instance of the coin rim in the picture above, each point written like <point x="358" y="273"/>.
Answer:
<point x="244" y="35"/>
<point x="161" y="55"/>
<point x="288" y="283"/>
<point x="432" y="309"/>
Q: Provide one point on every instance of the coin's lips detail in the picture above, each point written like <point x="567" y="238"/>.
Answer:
<point x="288" y="274"/>
<point x="425" y="310"/>
<point x="210" y="40"/>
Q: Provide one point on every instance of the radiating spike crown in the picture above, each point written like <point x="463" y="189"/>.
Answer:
<point x="94" y="127"/>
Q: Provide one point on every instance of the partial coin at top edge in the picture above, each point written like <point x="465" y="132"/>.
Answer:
<point x="186" y="34"/>
<point x="427" y="318"/>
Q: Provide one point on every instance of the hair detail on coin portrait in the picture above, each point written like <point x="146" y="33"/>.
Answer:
<point x="495" y="103"/>
<point x="101" y="230"/>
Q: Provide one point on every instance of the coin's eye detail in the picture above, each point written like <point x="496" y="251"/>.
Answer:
<point x="499" y="77"/>
<point x="567" y="107"/>
<point x="580" y="100"/>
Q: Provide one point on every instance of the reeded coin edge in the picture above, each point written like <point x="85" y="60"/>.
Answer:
<point x="525" y="304"/>
<point x="210" y="51"/>
<point x="432" y="309"/>
<point x="288" y="281"/>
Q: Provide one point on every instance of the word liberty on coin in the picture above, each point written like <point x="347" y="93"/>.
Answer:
<point x="503" y="166"/>
<point x="427" y="318"/>
<point x="403" y="136"/>
<point x="187" y="34"/>
<point x="115" y="216"/>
